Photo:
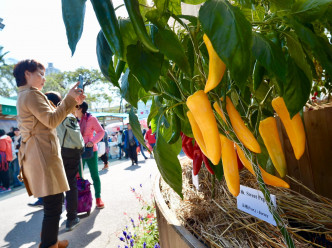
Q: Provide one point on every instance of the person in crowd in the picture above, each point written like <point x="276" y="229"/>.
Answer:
<point x="16" y="167"/>
<point x="120" y="143"/>
<point x="131" y="144"/>
<point x="90" y="125"/>
<point x="39" y="157"/>
<point x="104" y="157"/>
<point x="142" y="147"/>
<point x="6" y="156"/>
<point x="72" y="144"/>
<point x="11" y="132"/>
<point x="150" y="138"/>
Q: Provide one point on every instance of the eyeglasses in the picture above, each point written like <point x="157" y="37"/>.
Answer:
<point x="77" y="106"/>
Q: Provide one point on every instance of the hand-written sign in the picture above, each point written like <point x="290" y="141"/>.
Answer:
<point x="252" y="202"/>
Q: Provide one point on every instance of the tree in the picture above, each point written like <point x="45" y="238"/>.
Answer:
<point x="96" y="87"/>
<point x="7" y="81"/>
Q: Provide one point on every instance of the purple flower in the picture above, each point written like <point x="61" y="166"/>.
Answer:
<point x="128" y="237"/>
<point x="126" y="246"/>
<point x="156" y="245"/>
<point x="122" y="239"/>
<point x="131" y="220"/>
<point x="135" y="235"/>
<point x="133" y="189"/>
<point x="126" y="227"/>
<point x="144" y="245"/>
<point x="141" y="185"/>
<point x="131" y="242"/>
<point x="124" y="233"/>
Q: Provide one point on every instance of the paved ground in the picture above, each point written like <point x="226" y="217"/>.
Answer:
<point x="20" y="224"/>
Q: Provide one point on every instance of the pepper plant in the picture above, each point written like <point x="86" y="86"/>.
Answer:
<point x="270" y="48"/>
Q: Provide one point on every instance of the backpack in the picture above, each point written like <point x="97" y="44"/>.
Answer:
<point x="69" y="133"/>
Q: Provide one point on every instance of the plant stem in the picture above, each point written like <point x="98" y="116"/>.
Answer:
<point x="177" y="84"/>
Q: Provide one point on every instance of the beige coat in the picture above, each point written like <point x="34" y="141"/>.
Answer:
<point x="40" y="154"/>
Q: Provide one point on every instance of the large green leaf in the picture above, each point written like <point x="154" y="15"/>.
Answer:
<point x="73" y="13"/>
<point x="136" y="127"/>
<point x="130" y="88"/>
<point x="270" y="56"/>
<point x="169" y="44"/>
<point x="280" y="4"/>
<point x="296" y="52"/>
<point x="104" y="56"/>
<point x="218" y="170"/>
<point x="144" y="65"/>
<point x="193" y="2"/>
<point x="310" y="10"/>
<point x="297" y="88"/>
<point x="320" y="47"/>
<point x="175" y="6"/>
<point x="168" y="164"/>
<point x="167" y="133"/>
<point x="230" y="35"/>
<point x="128" y="34"/>
<point x="158" y="17"/>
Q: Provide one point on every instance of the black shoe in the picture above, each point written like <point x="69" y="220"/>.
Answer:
<point x="38" y="204"/>
<point x="71" y="224"/>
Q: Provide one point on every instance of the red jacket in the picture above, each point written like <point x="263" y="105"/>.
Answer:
<point x="6" y="146"/>
<point x="151" y="138"/>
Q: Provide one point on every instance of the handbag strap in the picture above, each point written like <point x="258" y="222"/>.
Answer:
<point x="81" y="165"/>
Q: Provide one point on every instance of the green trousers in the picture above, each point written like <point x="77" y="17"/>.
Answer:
<point x="93" y="168"/>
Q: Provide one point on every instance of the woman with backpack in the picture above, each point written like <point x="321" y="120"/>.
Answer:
<point x="72" y="144"/>
<point x="89" y="126"/>
<point x="39" y="155"/>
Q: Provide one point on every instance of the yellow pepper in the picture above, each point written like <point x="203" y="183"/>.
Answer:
<point x="197" y="132"/>
<point x="269" y="132"/>
<point x="267" y="178"/>
<point x="200" y="107"/>
<point x="230" y="166"/>
<point x="219" y="111"/>
<point x="294" y="127"/>
<point x="240" y="129"/>
<point x="216" y="66"/>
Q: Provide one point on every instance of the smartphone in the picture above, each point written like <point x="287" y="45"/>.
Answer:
<point x="80" y="79"/>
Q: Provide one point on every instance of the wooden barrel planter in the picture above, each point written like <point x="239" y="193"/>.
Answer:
<point x="314" y="168"/>
<point x="171" y="233"/>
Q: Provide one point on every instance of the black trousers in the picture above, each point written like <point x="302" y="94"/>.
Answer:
<point x="4" y="178"/>
<point x="132" y="152"/>
<point x="104" y="158"/>
<point x="71" y="161"/>
<point x="50" y="226"/>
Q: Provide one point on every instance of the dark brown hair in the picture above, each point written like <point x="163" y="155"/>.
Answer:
<point x="25" y="65"/>
<point x="84" y="106"/>
<point x="54" y="97"/>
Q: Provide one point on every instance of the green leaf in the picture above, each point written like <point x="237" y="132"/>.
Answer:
<point x="175" y="6"/>
<point x="155" y="106"/>
<point x="280" y="4"/>
<point x="218" y="170"/>
<point x="190" y="18"/>
<point x="104" y="56"/>
<point x="136" y="127"/>
<point x="168" y="43"/>
<point x="144" y="65"/>
<point x="310" y="10"/>
<point x="130" y="88"/>
<point x="297" y="88"/>
<point x="168" y="164"/>
<point x="128" y="34"/>
<point x="296" y="52"/>
<point x="143" y="95"/>
<point x="321" y="48"/>
<point x="230" y="35"/>
<point x="157" y="17"/>
<point x="73" y="13"/>
<point x="193" y="2"/>
<point x="270" y="56"/>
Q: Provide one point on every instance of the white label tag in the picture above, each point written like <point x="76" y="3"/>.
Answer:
<point x="195" y="180"/>
<point x="252" y="202"/>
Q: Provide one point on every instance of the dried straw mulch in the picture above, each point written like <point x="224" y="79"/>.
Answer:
<point x="218" y="222"/>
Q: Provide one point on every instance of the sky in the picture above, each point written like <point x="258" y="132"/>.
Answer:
<point x="35" y="30"/>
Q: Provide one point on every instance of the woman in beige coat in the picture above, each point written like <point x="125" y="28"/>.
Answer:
<point x="42" y="169"/>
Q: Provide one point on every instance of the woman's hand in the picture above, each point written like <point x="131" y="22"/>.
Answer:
<point x="77" y="93"/>
<point x="89" y="144"/>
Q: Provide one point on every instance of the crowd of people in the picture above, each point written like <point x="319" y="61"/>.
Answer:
<point x="54" y="140"/>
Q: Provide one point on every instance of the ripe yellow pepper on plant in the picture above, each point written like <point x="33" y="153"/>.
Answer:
<point x="240" y="129"/>
<point x="230" y="166"/>
<point x="219" y="111"/>
<point x="216" y="66"/>
<point x="267" y="178"/>
<point x="294" y="127"/>
<point x="269" y="133"/>
<point x="197" y="132"/>
<point x="201" y="109"/>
